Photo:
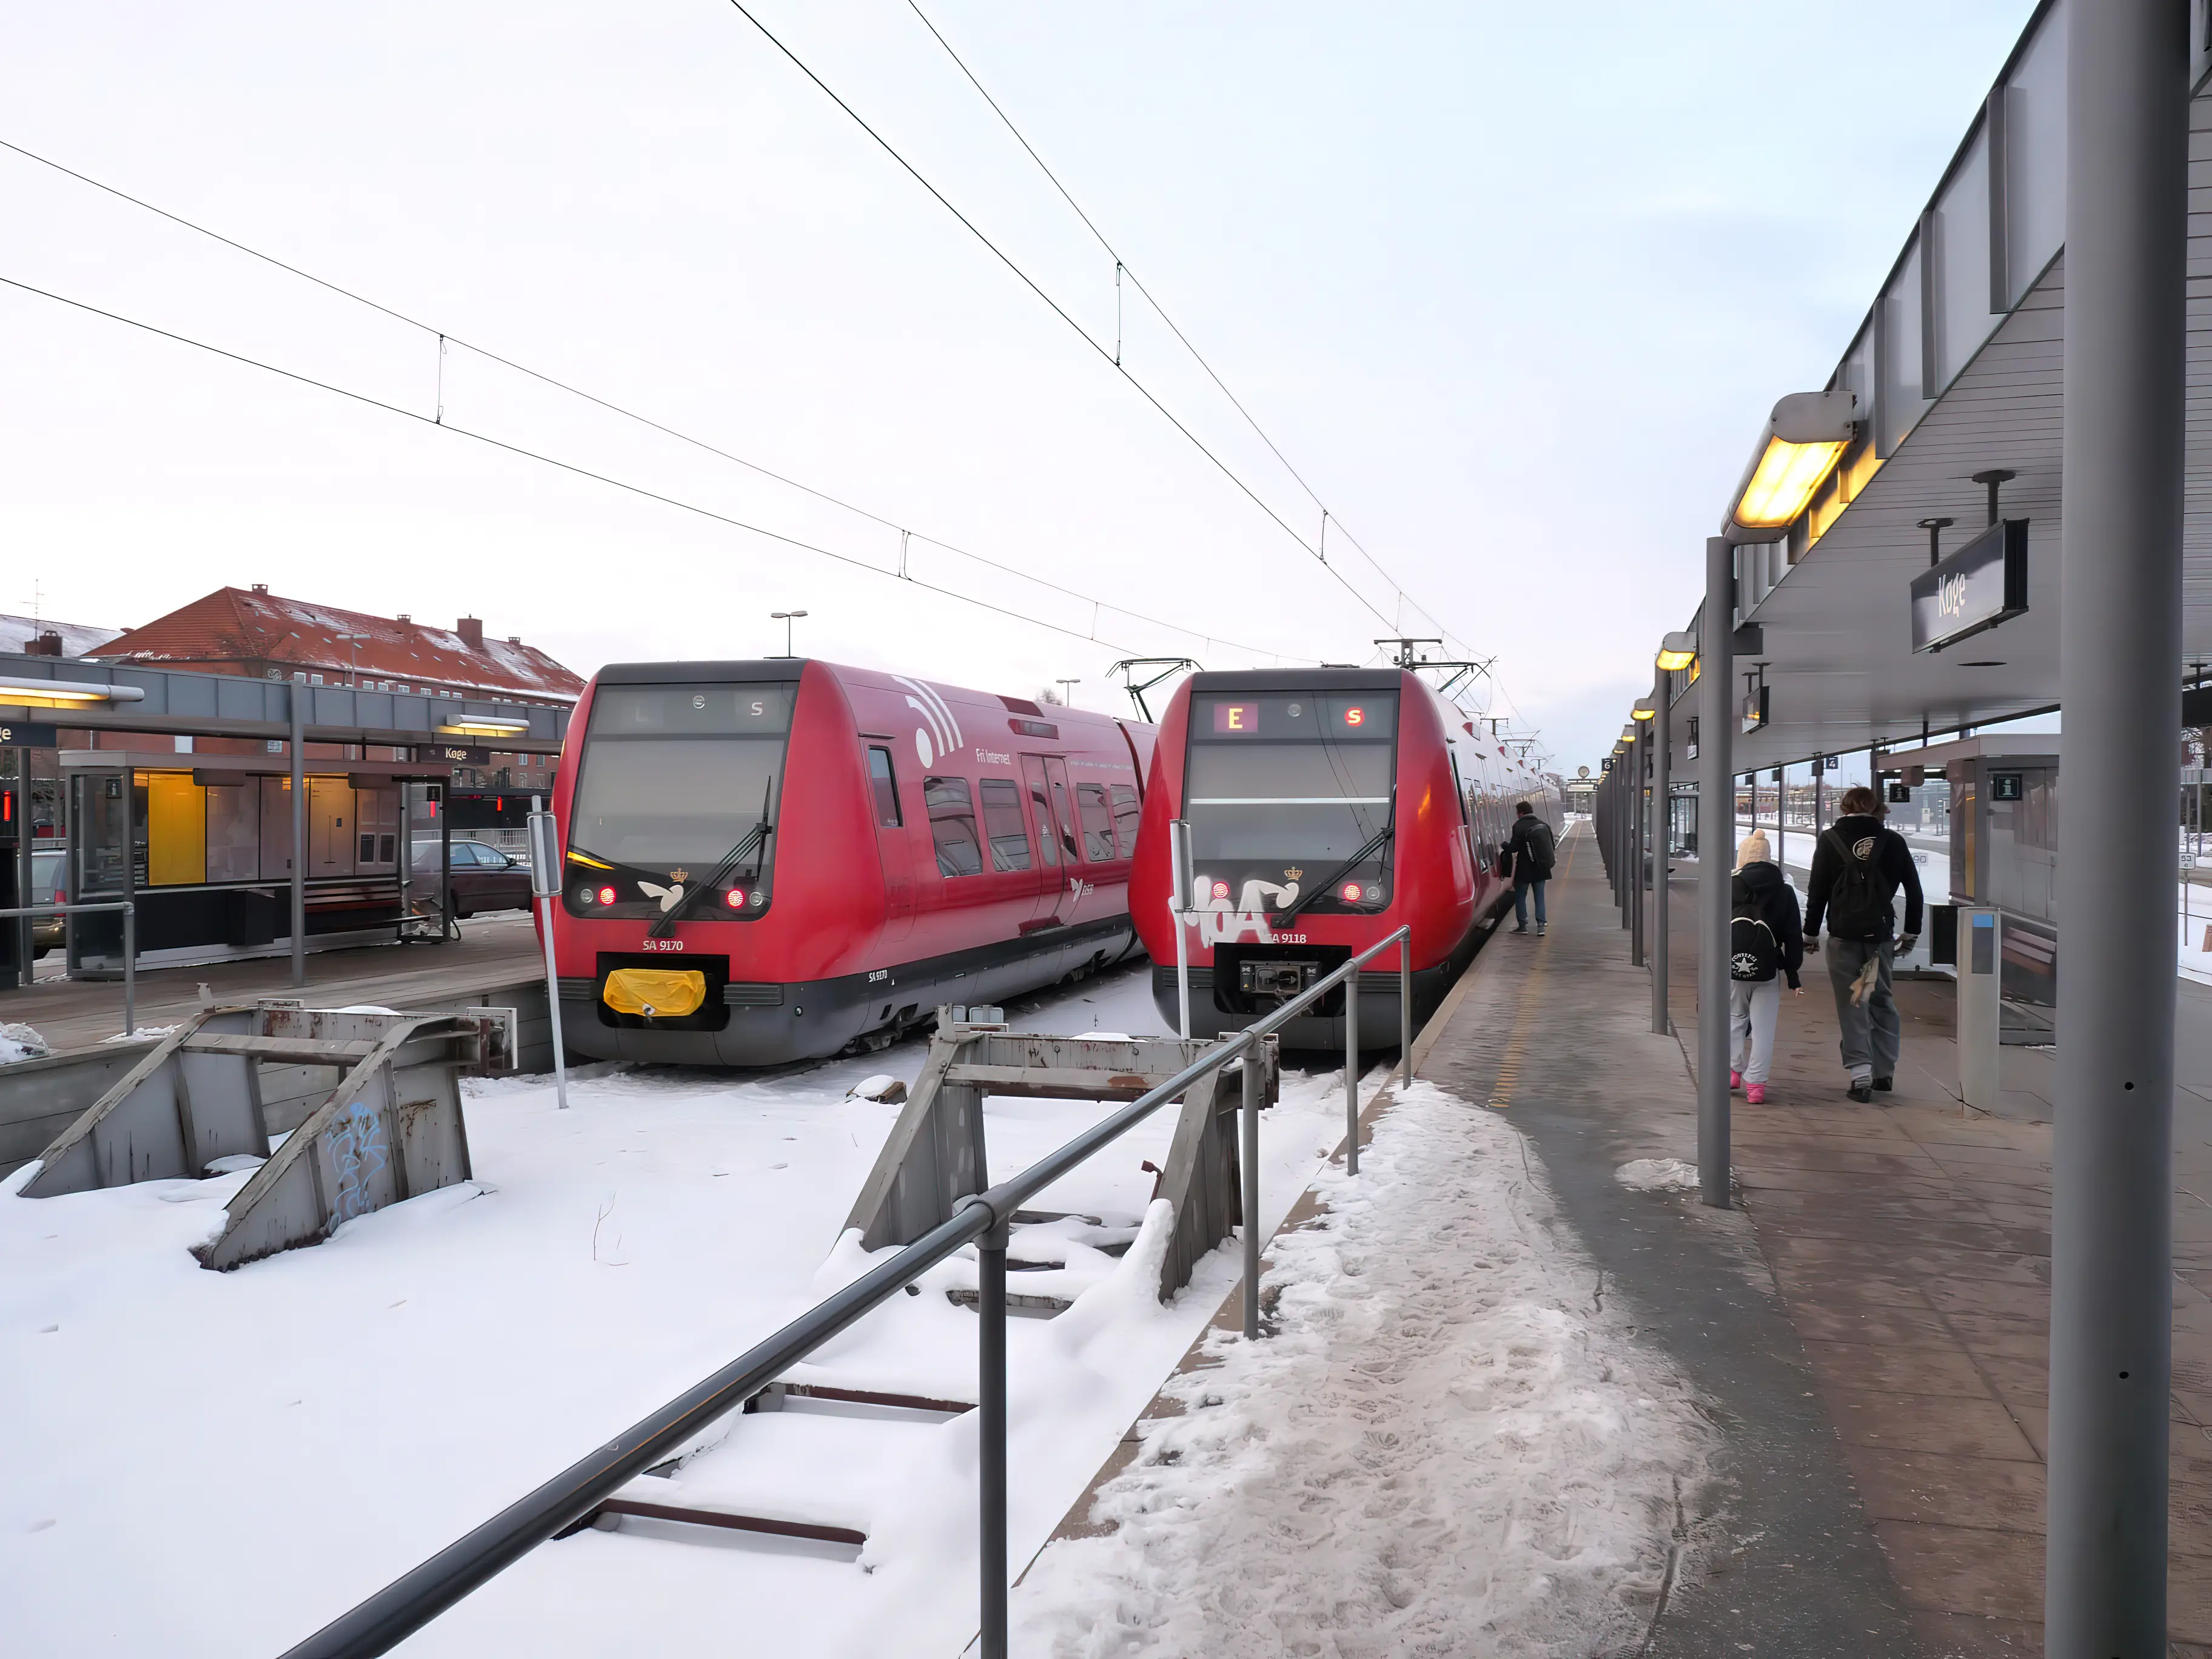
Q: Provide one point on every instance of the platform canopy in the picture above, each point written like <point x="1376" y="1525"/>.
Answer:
<point x="1957" y="369"/>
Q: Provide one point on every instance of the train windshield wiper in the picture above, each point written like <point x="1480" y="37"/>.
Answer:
<point x="755" y="839"/>
<point x="1372" y="845"/>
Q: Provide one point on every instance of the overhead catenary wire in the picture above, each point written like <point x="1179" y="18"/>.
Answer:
<point x="540" y="456"/>
<point x="1121" y="269"/>
<point x="1111" y="357"/>
<point x="444" y="340"/>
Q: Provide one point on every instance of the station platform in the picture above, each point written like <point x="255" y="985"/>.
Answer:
<point x="1872" y="1324"/>
<point x="493" y="953"/>
<point x="1865" y="1335"/>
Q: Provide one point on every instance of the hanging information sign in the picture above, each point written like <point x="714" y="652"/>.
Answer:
<point x="1983" y="584"/>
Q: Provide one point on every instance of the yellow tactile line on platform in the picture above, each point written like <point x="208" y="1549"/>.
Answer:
<point x="1509" y="1068"/>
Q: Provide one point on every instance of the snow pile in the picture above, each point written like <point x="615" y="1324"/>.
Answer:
<point x="1658" y="1175"/>
<point x="883" y="1086"/>
<point x="1446" y="1449"/>
<point x="21" y="1042"/>
<point x="142" y="1034"/>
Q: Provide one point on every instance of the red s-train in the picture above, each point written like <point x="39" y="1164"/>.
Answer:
<point x="777" y="860"/>
<point x="1328" y="808"/>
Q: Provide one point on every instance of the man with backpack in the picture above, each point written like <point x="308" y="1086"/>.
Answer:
<point x="1531" y="850"/>
<point x="1763" y="940"/>
<point x="1858" y="865"/>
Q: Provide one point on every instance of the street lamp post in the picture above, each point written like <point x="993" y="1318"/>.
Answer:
<point x="1067" y="692"/>
<point x="786" y="617"/>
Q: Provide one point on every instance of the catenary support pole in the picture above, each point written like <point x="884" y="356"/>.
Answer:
<point x="1716" y="864"/>
<point x="296" y="701"/>
<point x="1662" y="836"/>
<point x="2119" y="655"/>
<point x="991" y="1426"/>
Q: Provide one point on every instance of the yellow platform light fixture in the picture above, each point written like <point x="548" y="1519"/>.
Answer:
<point x="1643" y="711"/>
<point x="484" y="725"/>
<point x="1805" y="438"/>
<point x="1677" y="652"/>
<point x="64" y="694"/>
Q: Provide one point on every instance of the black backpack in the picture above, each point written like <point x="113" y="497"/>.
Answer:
<point x="1859" y="902"/>
<point x="1542" y="849"/>
<point x="1754" y="951"/>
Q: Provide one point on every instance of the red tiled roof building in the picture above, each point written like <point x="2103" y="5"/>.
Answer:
<point x="253" y="632"/>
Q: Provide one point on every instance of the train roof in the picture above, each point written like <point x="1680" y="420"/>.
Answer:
<point x="1298" y="679"/>
<point x="756" y="670"/>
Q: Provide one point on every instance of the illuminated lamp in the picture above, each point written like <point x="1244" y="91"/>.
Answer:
<point x="1352" y="892"/>
<point x="1355" y="716"/>
<point x="484" y="725"/>
<point x="1805" y="437"/>
<point x="1643" y="711"/>
<point x="1628" y="735"/>
<point x="1221" y="890"/>
<point x="1677" y="652"/>
<point x="735" y="898"/>
<point x="64" y="694"/>
<point x="606" y="896"/>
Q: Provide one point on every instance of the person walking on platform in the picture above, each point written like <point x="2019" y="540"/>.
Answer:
<point x="1532" y="849"/>
<point x="1763" y="940"/>
<point x="1858" y="865"/>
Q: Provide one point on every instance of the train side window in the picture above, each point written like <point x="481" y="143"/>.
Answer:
<point x="885" y="787"/>
<point x="952" y="826"/>
<point x="1041" y="804"/>
<point x="1097" y="821"/>
<point x="1127" y="810"/>
<point x="1002" y="824"/>
<point x="1066" y="820"/>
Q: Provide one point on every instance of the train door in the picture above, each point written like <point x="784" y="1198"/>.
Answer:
<point x="893" y="846"/>
<point x="1044" y="780"/>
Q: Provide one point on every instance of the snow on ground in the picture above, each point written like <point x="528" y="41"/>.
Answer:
<point x="334" y="1415"/>
<point x="1446" y="1450"/>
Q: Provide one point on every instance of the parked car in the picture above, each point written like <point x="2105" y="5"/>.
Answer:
<point x="47" y="933"/>
<point x="485" y="878"/>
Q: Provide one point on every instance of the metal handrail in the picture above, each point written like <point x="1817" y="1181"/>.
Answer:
<point x="402" y="1607"/>
<point x="130" y="908"/>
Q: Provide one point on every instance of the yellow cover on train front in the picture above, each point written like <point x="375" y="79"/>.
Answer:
<point x="666" y="991"/>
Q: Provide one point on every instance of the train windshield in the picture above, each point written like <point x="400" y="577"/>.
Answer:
<point x="680" y="777"/>
<point x="1284" y="789"/>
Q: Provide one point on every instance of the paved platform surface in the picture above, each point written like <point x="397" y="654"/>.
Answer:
<point x="491" y="951"/>
<point x="1909" y="1244"/>
<point x="1782" y="1559"/>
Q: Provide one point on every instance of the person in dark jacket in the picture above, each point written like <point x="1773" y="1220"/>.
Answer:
<point x="1859" y="866"/>
<point x="1759" y="896"/>
<point x="1531" y="847"/>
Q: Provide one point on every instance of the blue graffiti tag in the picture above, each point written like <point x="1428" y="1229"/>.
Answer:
<point x="357" y="1150"/>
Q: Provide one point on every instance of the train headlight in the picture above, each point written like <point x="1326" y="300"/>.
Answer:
<point x="735" y="898"/>
<point x="1353" y="892"/>
<point x="583" y="895"/>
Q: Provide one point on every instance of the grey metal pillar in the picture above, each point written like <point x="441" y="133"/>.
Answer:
<point x="991" y="1438"/>
<point x="1716" y="864"/>
<point x="298" y="758"/>
<point x="1639" y="753"/>
<point x="1663" y="834"/>
<point x="1623" y="769"/>
<point x="1248" y="1126"/>
<point x="2119" y="655"/>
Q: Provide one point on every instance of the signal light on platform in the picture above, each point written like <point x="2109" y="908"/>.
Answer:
<point x="1806" y="436"/>
<point x="606" y="896"/>
<point x="735" y="898"/>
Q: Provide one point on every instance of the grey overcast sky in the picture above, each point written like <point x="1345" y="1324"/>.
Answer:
<point x="1511" y="286"/>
